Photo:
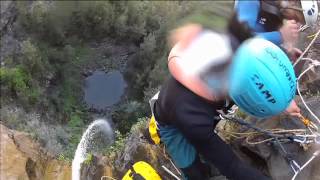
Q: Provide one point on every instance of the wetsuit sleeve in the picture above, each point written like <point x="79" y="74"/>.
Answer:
<point x="248" y="11"/>
<point x="195" y="121"/>
<point x="273" y="36"/>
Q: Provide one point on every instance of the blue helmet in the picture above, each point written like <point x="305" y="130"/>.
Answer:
<point x="262" y="79"/>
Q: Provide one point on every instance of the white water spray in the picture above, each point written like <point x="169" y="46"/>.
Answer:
<point x="98" y="126"/>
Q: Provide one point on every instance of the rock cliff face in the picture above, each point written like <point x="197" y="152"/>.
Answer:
<point x="136" y="149"/>
<point x="9" y="43"/>
<point x="269" y="158"/>
<point x="23" y="158"/>
<point x="311" y="80"/>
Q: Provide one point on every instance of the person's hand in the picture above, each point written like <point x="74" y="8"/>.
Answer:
<point x="294" y="53"/>
<point x="184" y="35"/>
<point x="290" y="33"/>
<point x="293" y="109"/>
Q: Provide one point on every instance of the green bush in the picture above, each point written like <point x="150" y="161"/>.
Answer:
<point x="14" y="79"/>
<point x="75" y="127"/>
<point x="55" y="22"/>
<point x="75" y="122"/>
<point x="139" y="126"/>
<point x="62" y="157"/>
<point x="128" y="114"/>
<point x="91" y="20"/>
<point x="43" y="21"/>
<point x="117" y="146"/>
<point x="120" y="139"/>
<point x="89" y="159"/>
<point x="141" y="65"/>
<point x="130" y="20"/>
<point x="32" y="60"/>
<point x="17" y="83"/>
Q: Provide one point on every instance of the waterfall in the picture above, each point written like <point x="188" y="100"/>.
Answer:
<point x="89" y="138"/>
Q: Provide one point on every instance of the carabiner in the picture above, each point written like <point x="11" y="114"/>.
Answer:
<point x="299" y="139"/>
<point x="308" y="123"/>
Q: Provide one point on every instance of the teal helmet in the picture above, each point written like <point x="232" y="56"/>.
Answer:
<point x="262" y="81"/>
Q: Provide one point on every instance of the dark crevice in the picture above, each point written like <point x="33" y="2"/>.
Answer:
<point x="30" y="169"/>
<point x="257" y="161"/>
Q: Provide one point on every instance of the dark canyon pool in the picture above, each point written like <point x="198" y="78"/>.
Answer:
<point x="103" y="89"/>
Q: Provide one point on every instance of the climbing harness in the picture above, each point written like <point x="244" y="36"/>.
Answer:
<point x="153" y="136"/>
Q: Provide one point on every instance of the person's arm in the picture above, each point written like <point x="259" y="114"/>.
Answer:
<point x="191" y="82"/>
<point x="248" y="12"/>
<point x="196" y="123"/>
<point x="194" y="65"/>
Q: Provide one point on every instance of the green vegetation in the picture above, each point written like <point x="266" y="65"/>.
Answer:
<point x="128" y="114"/>
<point x="121" y="139"/>
<point x="116" y="146"/>
<point x="88" y="159"/>
<point x="61" y="157"/>
<point x="22" y="81"/>
<point x="76" y="126"/>
<point x="46" y="76"/>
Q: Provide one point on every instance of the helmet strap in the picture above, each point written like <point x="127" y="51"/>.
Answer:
<point x="271" y="7"/>
<point x="286" y="5"/>
<point x="292" y="7"/>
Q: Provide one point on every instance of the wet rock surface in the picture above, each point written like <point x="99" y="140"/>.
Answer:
<point x="310" y="82"/>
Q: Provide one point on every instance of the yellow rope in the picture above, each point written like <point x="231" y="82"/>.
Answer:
<point x="312" y="35"/>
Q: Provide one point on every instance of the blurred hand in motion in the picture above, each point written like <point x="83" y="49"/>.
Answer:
<point x="290" y="33"/>
<point x="184" y="35"/>
<point x="294" y="53"/>
<point x="293" y="110"/>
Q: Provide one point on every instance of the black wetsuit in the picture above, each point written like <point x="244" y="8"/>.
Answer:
<point x="194" y="117"/>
